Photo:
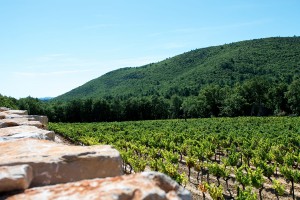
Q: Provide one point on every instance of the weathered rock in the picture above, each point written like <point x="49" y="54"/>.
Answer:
<point x="18" y="112"/>
<point x="40" y="118"/>
<point x="147" y="185"/>
<point x="2" y="115"/>
<point x="54" y="163"/>
<point x="17" y="132"/>
<point x="3" y="109"/>
<point x="19" y="122"/>
<point x="13" y="116"/>
<point x="15" y="177"/>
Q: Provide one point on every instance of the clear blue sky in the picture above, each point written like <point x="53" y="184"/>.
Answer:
<point x="48" y="47"/>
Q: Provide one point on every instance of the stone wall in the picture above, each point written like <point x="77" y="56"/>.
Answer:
<point x="33" y="165"/>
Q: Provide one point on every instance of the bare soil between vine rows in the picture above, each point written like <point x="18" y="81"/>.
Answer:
<point x="268" y="192"/>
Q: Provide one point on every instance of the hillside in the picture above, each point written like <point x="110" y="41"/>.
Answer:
<point x="275" y="58"/>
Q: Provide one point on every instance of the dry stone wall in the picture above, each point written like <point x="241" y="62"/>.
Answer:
<point x="34" y="166"/>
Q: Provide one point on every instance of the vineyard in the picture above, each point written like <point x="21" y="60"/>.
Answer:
<point x="224" y="158"/>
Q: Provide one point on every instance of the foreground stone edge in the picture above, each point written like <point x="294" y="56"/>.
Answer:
<point x="16" y="177"/>
<point x="54" y="163"/>
<point x="145" y="185"/>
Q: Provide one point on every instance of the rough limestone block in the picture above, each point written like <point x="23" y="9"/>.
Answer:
<point x="15" y="177"/>
<point x="4" y="115"/>
<point x="18" y="122"/>
<point x="54" y="163"/>
<point x="18" y="132"/>
<point x="17" y="112"/>
<point x="40" y="118"/>
<point x="3" y="109"/>
<point x="146" y="185"/>
<point x="12" y="116"/>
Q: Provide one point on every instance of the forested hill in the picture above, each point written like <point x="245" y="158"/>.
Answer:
<point x="251" y="78"/>
<point x="272" y="58"/>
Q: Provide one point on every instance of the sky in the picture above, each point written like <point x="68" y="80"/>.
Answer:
<point x="48" y="47"/>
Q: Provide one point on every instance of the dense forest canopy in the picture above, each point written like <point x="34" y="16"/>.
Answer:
<point x="186" y="74"/>
<point x="249" y="78"/>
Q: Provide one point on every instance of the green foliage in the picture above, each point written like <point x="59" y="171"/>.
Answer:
<point x="278" y="187"/>
<point x="182" y="179"/>
<point x="243" y="176"/>
<point x="232" y="159"/>
<point x="217" y="170"/>
<point x="290" y="175"/>
<point x="266" y="168"/>
<point x="246" y="194"/>
<point x="171" y="170"/>
<point x="233" y="103"/>
<point x="293" y="96"/>
<point x="257" y="178"/>
<point x="8" y="102"/>
<point x="190" y="161"/>
<point x="277" y="153"/>
<point x="88" y="140"/>
<point x="216" y="192"/>
<point x="32" y="105"/>
<point x="170" y="157"/>
<point x="139" y="164"/>
<point x="184" y="75"/>
<point x="289" y="159"/>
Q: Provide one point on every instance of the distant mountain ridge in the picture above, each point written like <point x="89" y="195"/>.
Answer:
<point x="276" y="58"/>
<point x="45" y="98"/>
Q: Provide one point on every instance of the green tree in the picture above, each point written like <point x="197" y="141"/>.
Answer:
<point x="8" y="102"/>
<point x="211" y="98"/>
<point x="32" y="105"/>
<point x="101" y="110"/>
<point x="255" y="91"/>
<point x="73" y="111"/>
<point x="175" y="107"/>
<point x="234" y="103"/>
<point x="159" y="107"/>
<point x="191" y="107"/>
<point x="87" y="110"/>
<point x="293" y="96"/>
<point x="277" y="100"/>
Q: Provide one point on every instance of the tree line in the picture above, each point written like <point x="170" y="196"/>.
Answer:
<point x="255" y="97"/>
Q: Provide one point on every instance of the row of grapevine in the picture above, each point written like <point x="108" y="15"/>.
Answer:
<point x="238" y="157"/>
